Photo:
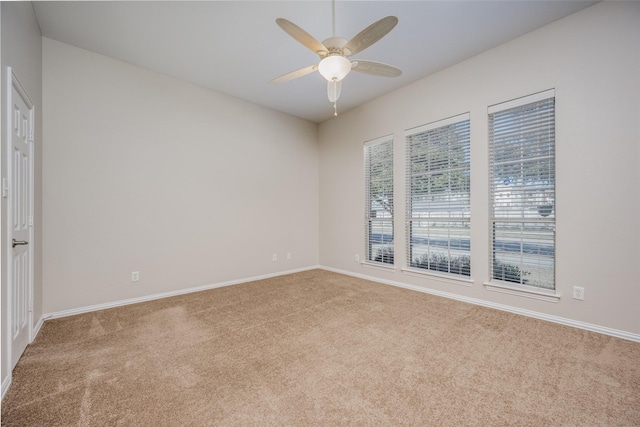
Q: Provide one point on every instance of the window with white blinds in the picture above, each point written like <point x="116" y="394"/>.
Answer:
<point x="378" y="167"/>
<point x="438" y="197"/>
<point x="522" y="190"/>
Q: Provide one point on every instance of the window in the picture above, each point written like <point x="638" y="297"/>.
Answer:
<point x="378" y="166"/>
<point x="438" y="196"/>
<point x="522" y="191"/>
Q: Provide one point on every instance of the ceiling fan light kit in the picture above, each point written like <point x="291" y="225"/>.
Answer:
<point x="334" y="63"/>
<point x="334" y="68"/>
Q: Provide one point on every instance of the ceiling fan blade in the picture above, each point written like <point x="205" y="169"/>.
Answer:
<point x="295" y="74"/>
<point x="375" y="68"/>
<point x="302" y="36"/>
<point x="370" y="35"/>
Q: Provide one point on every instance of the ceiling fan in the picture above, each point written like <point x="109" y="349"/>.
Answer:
<point x="334" y="54"/>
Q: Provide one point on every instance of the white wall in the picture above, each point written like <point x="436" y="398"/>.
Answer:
<point x="146" y="173"/>
<point x="22" y="51"/>
<point x="592" y="59"/>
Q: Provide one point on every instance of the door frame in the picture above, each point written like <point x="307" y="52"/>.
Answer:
<point x="12" y="82"/>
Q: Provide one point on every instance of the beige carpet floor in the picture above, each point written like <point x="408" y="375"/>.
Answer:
<point x="319" y="348"/>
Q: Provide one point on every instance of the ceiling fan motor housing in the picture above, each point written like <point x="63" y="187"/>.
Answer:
<point x="335" y="46"/>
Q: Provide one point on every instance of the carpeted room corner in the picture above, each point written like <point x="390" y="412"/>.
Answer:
<point x="318" y="347"/>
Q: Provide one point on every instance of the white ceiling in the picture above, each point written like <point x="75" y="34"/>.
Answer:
<point x="235" y="47"/>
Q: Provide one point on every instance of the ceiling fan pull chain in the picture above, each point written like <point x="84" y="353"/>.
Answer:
<point x="335" y="108"/>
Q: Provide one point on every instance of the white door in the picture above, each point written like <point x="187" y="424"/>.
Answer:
<point x="20" y="217"/>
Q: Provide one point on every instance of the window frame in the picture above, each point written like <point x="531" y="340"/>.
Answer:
<point x="520" y="200"/>
<point x="411" y="268"/>
<point x="369" y="257"/>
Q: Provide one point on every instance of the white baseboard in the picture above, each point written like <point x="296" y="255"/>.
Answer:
<point x="537" y="315"/>
<point x="530" y="313"/>
<point x="7" y="381"/>
<point x="36" y="328"/>
<point x="5" y="385"/>
<point x="88" y="309"/>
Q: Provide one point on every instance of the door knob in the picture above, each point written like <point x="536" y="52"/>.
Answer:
<point x="18" y="242"/>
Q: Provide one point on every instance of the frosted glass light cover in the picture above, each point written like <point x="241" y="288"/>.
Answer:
<point x="334" y="68"/>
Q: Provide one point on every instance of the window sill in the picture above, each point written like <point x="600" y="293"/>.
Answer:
<point x="379" y="266"/>
<point x="523" y="291"/>
<point x="435" y="276"/>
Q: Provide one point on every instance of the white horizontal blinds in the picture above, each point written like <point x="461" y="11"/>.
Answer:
<point x="522" y="190"/>
<point x="378" y="165"/>
<point x="438" y="196"/>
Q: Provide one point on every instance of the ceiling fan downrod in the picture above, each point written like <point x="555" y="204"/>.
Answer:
<point x="333" y="17"/>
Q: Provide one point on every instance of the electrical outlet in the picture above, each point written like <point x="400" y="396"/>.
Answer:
<point x="288" y="255"/>
<point x="275" y="257"/>
<point x="135" y="276"/>
<point x="357" y="258"/>
<point x="578" y="293"/>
